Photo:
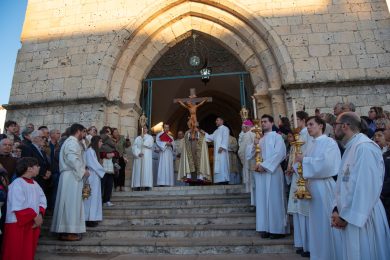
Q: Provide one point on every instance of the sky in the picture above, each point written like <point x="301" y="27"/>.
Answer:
<point x="12" y="14"/>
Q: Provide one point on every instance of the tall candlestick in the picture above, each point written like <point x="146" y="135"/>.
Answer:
<point x="254" y="108"/>
<point x="294" y="114"/>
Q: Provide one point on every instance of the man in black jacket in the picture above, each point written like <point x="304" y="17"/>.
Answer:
<point x="34" y="149"/>
<point x="385" y="195"/>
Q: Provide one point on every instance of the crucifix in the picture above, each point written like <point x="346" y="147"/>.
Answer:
<point x="190" y="103"/>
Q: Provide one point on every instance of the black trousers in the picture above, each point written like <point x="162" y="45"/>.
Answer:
<point x="107" y="183"/>
<point x="119" y="180"/>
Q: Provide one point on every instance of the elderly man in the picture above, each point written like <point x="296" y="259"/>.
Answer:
<point x="338" y="109"/>
<point x="6" y="160"/>
<point x="34" y="149"/>
<point x="358" y="211"/>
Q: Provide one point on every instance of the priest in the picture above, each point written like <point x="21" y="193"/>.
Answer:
<point x="194" y="159"/>
<point x="247" y="138"/>
<point x="68" y="217"/>
<point x="142" y="177"/>
<point x="320" y="163"/>
<point x="220" y="137"/>
<point x="358" y="211"/>
<point x="165" y="143"/>
<point x="271" y="216"/>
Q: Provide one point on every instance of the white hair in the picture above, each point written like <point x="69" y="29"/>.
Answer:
<point x="36" y="133"/>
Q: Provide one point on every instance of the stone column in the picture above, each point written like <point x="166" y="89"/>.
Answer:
<point x="263" y="103"/>
<point x="278" y="102"/>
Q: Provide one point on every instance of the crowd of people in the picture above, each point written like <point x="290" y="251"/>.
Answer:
<point x="345" y="161"/>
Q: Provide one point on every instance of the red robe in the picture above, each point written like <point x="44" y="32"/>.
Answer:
<point x="20" y="239"/>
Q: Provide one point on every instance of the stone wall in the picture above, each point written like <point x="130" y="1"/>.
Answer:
<point x="97" y="52"/>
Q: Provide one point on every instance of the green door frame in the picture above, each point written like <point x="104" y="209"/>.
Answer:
<point x="147" y="97"/>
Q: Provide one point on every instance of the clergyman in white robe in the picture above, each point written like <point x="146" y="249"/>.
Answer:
<point x="247" y="178"/>
<point x="142" y="176"/>
<point x="271" y="214"/>
<point x="165" y="175"/>
<point x="358" y="187"/>
<point x="220" y="137"/>
<point x="68" y="214"/>
<point x="322" y="161"/>
<point x="93" y="204"/>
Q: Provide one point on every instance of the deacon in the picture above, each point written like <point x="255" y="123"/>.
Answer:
<point x="359" y="212"/>
<point x="142" y="177"/>
<point x="247" y="138"/>
<point x="178" y="147"/>
<point x="220" y="137"/>
<point x="68" y="217"/>
<point x="271" y="217"/>
<point x="297" y="207"/>
<point x="165" y="142"/>
<point x="320" y="163"/>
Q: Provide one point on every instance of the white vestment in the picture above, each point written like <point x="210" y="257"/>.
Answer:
<point x="299" y="208"/>
<point x="178" y="147"/>
<point x="235" y="177"/>
<point x="221" y="160"/>
<point x="165" y="174"/>
<point x="93" y="205"/>
<point x="68" y="214"/>
<point x="155" y="158"/>
<point x="271" y="214"/>
<point x="247" y="139"/>
<point x="321" y="162"/>
<point x="142" y="166"/>
<point x="358" y="187"/>
<point x="24" y="195"/>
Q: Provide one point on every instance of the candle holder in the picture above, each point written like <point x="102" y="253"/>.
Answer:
<point x="302" y="192"/>
<point x="259" y="134"/>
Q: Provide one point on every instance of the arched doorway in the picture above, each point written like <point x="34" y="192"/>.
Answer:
<point x="173" y="76"/>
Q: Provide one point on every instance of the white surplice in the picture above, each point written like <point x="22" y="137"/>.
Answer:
<point x="142" y="166"/>
<point x="358" y="187"/>
<point x="271" y="214"/>
<point x="220" y="137"/>
<point x="235" y="177"/>
<point x="93" y="205"/>
<point x="321" y="162"/>
<point x="165" y="174"/>
<point x="247" y="178"/>
<point x="155" y="158"/>
<point x="297" y="207"/>
<point x="68" y="214"/>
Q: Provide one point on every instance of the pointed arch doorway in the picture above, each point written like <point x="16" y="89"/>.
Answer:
<point x="173" y="76"/>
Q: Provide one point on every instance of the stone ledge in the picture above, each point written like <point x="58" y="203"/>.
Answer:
<point x="336" y="83"/>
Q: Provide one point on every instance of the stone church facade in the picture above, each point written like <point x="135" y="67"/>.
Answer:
<point x="84" y="61"/>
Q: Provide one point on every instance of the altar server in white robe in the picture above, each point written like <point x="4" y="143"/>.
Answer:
<point x="297" y="207"/>
<point x="247" y="138"/>
<point x="142" y="177"/>
<point x="271" y="215"/>
<point x="220" y="137"/>
<point x="165" y="175"/>
<point x="320" y="163"/>
<point x="93" y="204"/>
<point x="359" y="212"/>
<point x="68" y="217"/>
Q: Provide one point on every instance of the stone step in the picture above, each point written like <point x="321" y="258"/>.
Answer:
<point x="191" y="219"/>
<point x="184" y="190"/>
<point x="183" y="200"/>
<point x="168" y="231"/>
<point x="169" y="246"/>
<point x="176" y="210"/>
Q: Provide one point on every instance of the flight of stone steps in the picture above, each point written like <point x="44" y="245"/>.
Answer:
<point x="201" y="220"/>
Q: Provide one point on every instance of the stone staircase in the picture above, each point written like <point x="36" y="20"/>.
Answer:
<point x="201" y="220"/>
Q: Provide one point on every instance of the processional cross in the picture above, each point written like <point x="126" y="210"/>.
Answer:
<point x="190" y="103"/>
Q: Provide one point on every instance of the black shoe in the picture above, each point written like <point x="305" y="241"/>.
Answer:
<point x="305" y="254"/>
<point x="299" y="250"/>
<point x="264" y="234"/>
<point x="91" y="223"/>
<point x="277" y="236"/>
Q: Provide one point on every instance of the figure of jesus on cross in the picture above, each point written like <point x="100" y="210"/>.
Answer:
<point x="190" y="104"/>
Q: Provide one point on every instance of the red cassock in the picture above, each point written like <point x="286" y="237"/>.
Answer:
<point x="164" y="137"/>
<point x="21" y="239"/>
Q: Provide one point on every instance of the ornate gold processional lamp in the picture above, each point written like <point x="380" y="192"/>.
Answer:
<point x="257" y="131"/>
<point x="302" y="192"/>
<point x="244" y="113"/>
